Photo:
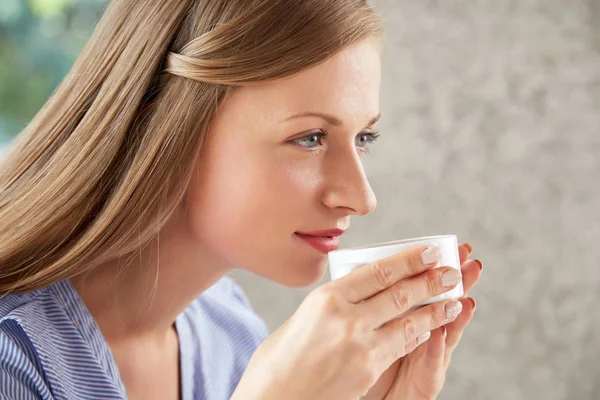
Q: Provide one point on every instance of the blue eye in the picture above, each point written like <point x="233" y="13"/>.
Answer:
<point x="311" y="141"/>
<point x="314" y="140"/>
<point x="364" y="139"/>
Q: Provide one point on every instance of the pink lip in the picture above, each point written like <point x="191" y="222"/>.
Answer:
<point x="323" y="241"/>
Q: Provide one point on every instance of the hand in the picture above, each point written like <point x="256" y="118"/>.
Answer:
<point x="346" y="333"/>
<point x="420" y="375"/>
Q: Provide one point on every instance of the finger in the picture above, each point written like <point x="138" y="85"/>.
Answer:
<point x="436" y="350"/>
<point x="404" y="295"/>
<point x="385" y="381"/>
<point x="471" y="272"/>
<point x="393" y="338"/>
<point x="413" y="344"/>
<point x="370" y="279"/>
<point x="464" y="250"/>
<point x="457" y="327"/>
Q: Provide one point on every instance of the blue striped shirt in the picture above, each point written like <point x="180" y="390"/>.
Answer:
<point x="51" y="347"/>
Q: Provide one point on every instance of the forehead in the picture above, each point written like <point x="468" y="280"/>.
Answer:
<point x="346" y="83"/>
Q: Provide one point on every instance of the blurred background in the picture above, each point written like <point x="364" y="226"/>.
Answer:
<point x="490" y="130"/>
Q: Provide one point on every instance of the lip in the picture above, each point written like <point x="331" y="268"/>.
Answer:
<point x="323" y="241"/>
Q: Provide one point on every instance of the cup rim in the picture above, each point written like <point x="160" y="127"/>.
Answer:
<point x="392" y="243"/>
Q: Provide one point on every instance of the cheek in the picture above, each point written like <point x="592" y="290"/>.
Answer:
<point x="248" y="210"/>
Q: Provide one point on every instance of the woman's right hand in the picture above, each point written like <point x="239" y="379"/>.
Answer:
<point x="339" y="342"/>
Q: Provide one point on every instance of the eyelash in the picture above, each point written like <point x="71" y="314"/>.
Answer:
<point x="370" y="138"/>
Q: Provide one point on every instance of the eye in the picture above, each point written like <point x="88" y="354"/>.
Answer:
<point x="364" y="139"/>
<point x="311" y="141"/>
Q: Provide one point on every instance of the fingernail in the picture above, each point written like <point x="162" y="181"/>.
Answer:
<point x="431" y="255"/>
<point x="479" y="264"/>
<point x="468" y="246"/>
<point x="473" y="302"/>
<point x="423" y="338"/>
<point x="444" y="331"/>
<point x="453" y="308"/>
<point x="451" y="277"/>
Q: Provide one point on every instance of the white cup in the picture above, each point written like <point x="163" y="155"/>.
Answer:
<point x="342" y="262"/>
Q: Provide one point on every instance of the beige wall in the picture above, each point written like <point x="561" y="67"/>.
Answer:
<point x="491" y="130"/>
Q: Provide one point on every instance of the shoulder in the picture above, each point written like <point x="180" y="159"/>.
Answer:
<point x="19" y="311"/>
<point x="11" y="306"/>
<point x="21" y="372"/>
<point x="45" y="338"/>
<point x="41" y="316"/>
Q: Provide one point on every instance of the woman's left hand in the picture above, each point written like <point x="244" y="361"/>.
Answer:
<point x="420" y="375"/>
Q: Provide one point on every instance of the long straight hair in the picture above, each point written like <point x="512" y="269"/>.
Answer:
<point x="107" y="160"/>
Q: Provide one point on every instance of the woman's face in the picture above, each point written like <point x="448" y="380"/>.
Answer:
<point x="268" y="178"/>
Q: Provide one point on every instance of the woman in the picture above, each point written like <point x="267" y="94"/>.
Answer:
<point x="189" y="138"/>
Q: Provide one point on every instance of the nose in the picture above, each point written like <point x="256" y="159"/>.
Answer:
<point x="346" y="185"/>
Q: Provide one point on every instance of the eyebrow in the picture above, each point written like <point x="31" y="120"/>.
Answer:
<point x="330" y="119"/>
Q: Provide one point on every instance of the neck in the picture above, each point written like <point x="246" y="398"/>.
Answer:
<point x="143" y="294"/>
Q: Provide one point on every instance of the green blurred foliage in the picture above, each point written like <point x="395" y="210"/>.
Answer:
<point x="39" y="41"/>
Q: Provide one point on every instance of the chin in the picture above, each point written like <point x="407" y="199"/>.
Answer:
<point x="300" y="274"/>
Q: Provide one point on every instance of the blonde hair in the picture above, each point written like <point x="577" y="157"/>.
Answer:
<point x="107" y="160"/>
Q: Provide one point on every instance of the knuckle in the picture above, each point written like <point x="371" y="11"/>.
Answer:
<point x="402" y="298"/>
<point x="344" y="341"/>
<point x="438" y="316"/>
<point x="382" y="273"/>
<point x="413" y="263"/>
<point x="328" y="301"/>
<point x="349" y="333"/>
<point x="319" y="295"/>
<point x="432" y="282"/>
<point x="407" y="329"/>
